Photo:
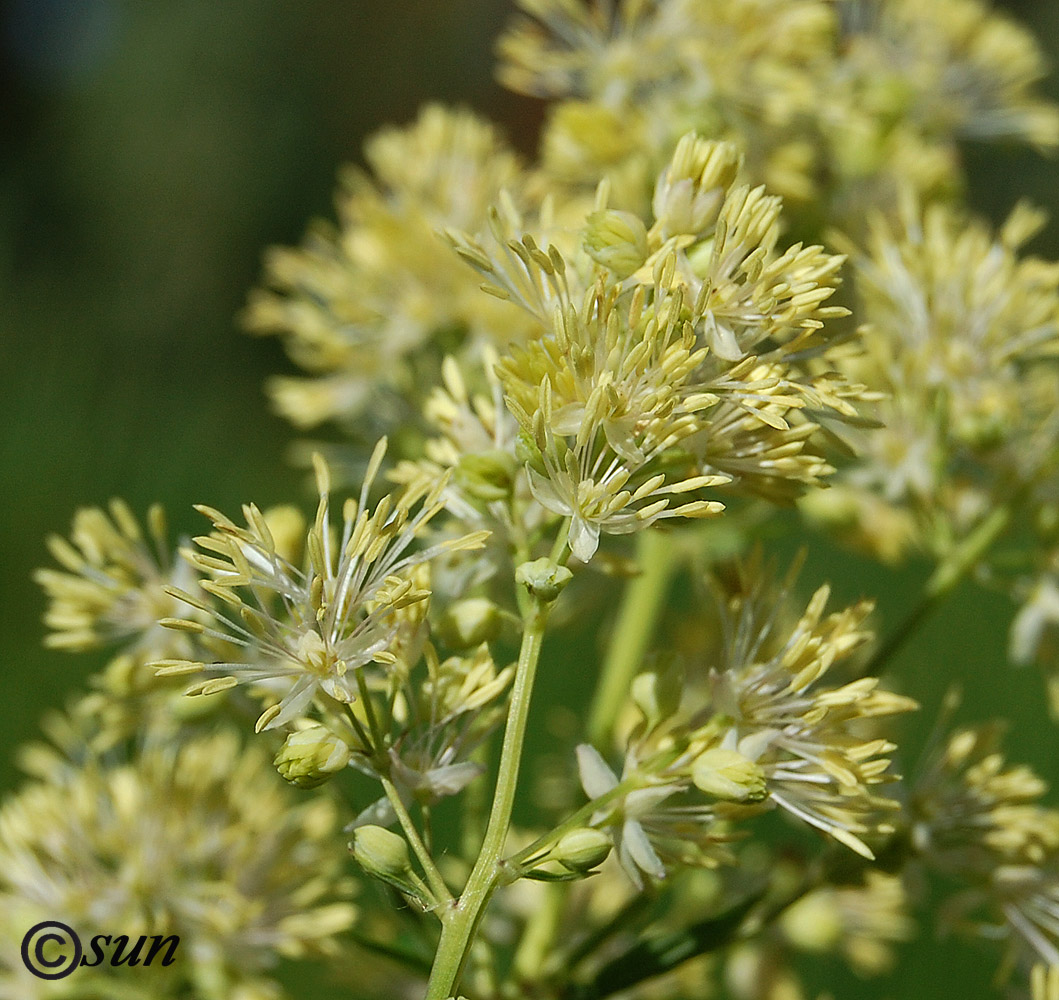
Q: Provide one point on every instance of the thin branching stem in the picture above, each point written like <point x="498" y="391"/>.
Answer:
<point x="462" y="916"/>
<point x="437" y="884"/>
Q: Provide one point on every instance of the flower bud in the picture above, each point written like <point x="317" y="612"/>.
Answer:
<point x="381" y="853"/>
<point x="310" y="756"/>
<point x="469" y="623"/>
<point x="617" y="241"/>
<point x="527" y="452"/>
<point x="727" y="774"/>
<point x="582" y="849"/>
<point x="691" y="190"/>
<point x="543" y="578"/>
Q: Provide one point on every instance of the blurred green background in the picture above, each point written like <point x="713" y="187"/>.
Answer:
<point x="149" y="152"/>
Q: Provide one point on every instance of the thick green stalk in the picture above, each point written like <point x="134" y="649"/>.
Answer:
<point x="460" y="917"/>
<point x="637" y="615"/>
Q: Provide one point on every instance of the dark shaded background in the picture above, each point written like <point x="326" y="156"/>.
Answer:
<point x="149" y="152"/>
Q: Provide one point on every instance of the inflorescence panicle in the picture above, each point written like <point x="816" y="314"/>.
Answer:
<point x="738" y="271"/>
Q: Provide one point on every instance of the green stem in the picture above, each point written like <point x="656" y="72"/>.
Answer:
<point x="559" y="553"/>
<point x="437" y="884"/>
<point x="367" y="742"/>
<point x="950" y="572"/>
<point x="637" y="615"/>
<point x="461" y="918"/>
<point x="472" y="815"/>
<point x="378" y="743"/>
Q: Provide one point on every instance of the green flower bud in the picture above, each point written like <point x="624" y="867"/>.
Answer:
<point x="469" y="623"/>
<point x="384" y="855"/>
<point x="729" y="775"/>
<point x="582" y="849"/>
<point x="381" y="853"/>
<point x="617" y="241"/>
<point x="543" y="578"/>
<point x="527" y="452"/>
<point x="310" y="756"/>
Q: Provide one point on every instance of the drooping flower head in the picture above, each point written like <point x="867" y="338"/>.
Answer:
<point x="707" y="750"/>
<point x="804" y="735"/>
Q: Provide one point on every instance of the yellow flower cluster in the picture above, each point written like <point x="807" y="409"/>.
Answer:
<point x="961" y="333"/>
<point x="757" y="729"/>
<point x="111" y="588"/>
<point x="197" y="838"/>
<point x="644" y="332"/>
<point x="808" y="738"/>
<point x="357" y="304"/>
<point x="832" y="102"/>
<point x="652" y="336"/>
<point x="306" y="632"/>
<point x="981" y="821"/>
